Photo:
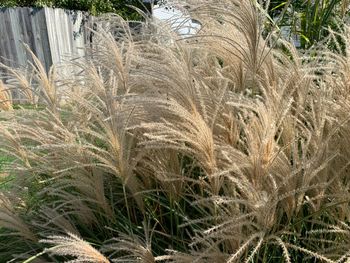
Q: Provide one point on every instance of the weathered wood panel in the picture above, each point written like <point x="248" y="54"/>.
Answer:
<point x="54" y="35"/>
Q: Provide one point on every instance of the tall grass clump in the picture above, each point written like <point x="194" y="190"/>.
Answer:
<point x="223" y="147"/>
<point x="308" y="22"/>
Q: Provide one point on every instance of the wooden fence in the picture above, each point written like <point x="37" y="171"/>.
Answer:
<point x="54" y="36"/>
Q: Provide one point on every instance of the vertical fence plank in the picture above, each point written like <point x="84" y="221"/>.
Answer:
<point x="54" y="35"/>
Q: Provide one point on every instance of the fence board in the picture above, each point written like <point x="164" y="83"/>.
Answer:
<point x="54" y="35"/>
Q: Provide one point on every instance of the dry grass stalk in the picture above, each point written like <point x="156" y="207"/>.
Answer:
<point x="74" y="246"/>
<point x="5" y="97"/>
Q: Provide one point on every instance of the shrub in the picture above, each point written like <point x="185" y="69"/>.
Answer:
<point x="216" y="148"/>
<point x="95" y="7"/>
<point x="309" y="20"/>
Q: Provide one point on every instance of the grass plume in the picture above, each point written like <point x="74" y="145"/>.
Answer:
<point x="232" y="144"/>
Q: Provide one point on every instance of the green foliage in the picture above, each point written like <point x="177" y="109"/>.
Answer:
<point x="310" y="20"/>
<point x="5" y="177"/>
<point x="95" y="7"/>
